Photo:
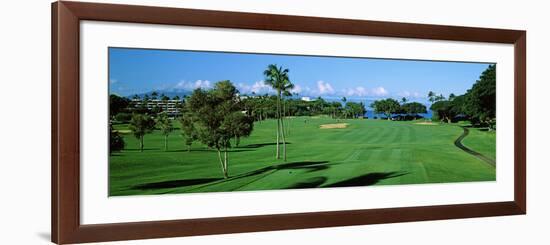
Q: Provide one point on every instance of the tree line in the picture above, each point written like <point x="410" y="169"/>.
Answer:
<point x="406" y="110"/>
<point x="478" y="104"/>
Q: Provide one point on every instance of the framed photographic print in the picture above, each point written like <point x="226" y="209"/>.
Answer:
<point x="177" y="122"/>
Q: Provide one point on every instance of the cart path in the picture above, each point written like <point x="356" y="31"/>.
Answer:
<point x="458" y="143"/>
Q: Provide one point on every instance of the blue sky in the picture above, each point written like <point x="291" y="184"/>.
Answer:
<point x="136" y="71"/>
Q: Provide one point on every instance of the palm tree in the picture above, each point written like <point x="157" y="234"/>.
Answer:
<point x="362" y="110"/>
<point x="285" y="111"/>
<point x="277" y="78"/>
<point x="286" y="87"/>
<point x="344" y="100"/>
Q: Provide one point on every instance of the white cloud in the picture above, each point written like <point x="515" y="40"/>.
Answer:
<point x="297" y="89"/>
<point x="360" y="91"/>
<point x="204" y="84"/>
<point x="357" y="91"/>
<point x="409" y="94"/>
<point x="258" y="87"/>
<point x="112" y="81"/>
<point x="324" y="88"/>
<point x="307" y="91"/>
<point x="379" y="91"/>
<point x="261" y="87"/>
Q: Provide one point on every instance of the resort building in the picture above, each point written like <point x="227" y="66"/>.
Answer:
<point x="171" y="107"/>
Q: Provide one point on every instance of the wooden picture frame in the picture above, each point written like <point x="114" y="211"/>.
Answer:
<point x="65" y="171"/>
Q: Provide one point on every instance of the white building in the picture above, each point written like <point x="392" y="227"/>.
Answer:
<point x="171" y="107"/>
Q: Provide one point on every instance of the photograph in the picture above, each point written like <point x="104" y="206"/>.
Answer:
<point x="193" y="121"/>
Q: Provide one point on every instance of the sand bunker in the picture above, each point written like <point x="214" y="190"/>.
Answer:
<point x="123" y="131"/>
<point x="426" y="123"/>
<point x="334" y="125"/>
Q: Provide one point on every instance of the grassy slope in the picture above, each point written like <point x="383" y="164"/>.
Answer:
<point x="368" y="152"/>
<point x="482" y="142"/>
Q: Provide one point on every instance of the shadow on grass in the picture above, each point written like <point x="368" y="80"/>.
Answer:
<point x="310" y="166"/>
<point x="209" y="150"/>
<point x="307" y="165"/>
<point x="259" y="145"/>
<point x="175" y="183"/>
<point x="144" y="149"/>
<point x="363" y="180"/>
<point x="309" y="183"/>
<point x="367" y="179"/>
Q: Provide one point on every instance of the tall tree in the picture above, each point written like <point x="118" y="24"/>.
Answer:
<point x="443" y="110"/>
<point x="278" y="79"/>
<point x="188" y="130"/>
<point x="362" y="110"/>
<point x="117" y="104"/>
<point x="165" y="125"/>
<point x="413" y="108"/>
<point x="459" y="105"/>
<point x="355" y="110"/>
<point x="386" y="106"/>
<point x="481" y="98"/>
<point x="286" y="88"/>
<point x="211" y="114"/>
<point x="286" y="93"/>
<point x="452" y="96"/>
<point x="240" y="124"/>
<point x="344" y="100"/>
<point x="141" y="124"/>
<point x="336" y="108"/>
<point x="431" y="96"/>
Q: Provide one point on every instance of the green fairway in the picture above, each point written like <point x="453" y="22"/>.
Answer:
<point x="482" y="142"/>
<point x="365" y="152"/>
